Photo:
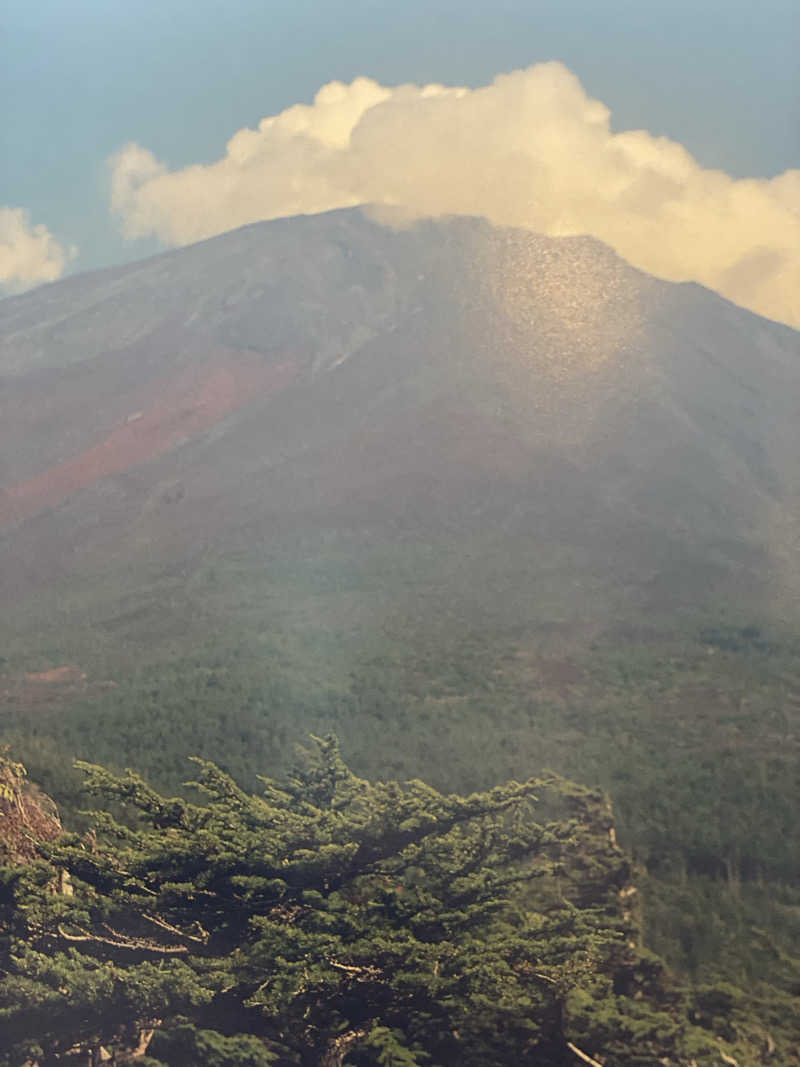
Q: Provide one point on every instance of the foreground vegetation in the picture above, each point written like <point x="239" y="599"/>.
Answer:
<point x="694" y="733"/>
<point x="328" y="920"/>
<point x="691" y="724"/>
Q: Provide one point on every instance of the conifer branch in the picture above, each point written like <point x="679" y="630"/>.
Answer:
<point x="174" y="929"/>
<point x="120" y="941"/>
<point x="583" y="1056"/>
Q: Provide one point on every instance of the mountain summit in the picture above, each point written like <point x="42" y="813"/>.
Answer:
<point x="583" y="438"/>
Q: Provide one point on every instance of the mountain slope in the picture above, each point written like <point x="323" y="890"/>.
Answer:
<point x="445" y="382"/>
<point x="475" y="500"/>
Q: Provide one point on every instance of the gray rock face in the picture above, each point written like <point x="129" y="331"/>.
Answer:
<point x="606" y="438"/>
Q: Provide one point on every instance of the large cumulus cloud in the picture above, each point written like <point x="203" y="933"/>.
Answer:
<point x="29" y="253"/>
<point x="532" y="149"/>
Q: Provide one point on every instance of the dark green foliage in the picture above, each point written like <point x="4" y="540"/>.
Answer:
<point x="331" y="920"/>
<point x="186" y="1045"/>
<point x="697" y="741"/>
<point x="736" y="638"/>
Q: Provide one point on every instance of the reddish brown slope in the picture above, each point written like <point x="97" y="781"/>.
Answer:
<point x="180" y="408"/>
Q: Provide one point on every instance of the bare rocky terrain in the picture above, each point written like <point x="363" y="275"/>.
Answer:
<point x="587" y="441"/>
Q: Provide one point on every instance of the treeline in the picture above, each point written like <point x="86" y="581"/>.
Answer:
<point x="697" y="742"/>
<point x="327" y="920"/>
<point x="694" y="735"/>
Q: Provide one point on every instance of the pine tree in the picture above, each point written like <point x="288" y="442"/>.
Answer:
<point x="329" y="920"/>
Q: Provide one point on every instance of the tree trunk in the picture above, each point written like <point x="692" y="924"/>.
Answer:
<point x="338" y="1047"/>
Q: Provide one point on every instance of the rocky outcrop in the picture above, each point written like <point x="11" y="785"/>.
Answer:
<point x="27" y="815"/>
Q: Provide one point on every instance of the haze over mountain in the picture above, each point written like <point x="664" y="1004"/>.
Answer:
<point x="585" y="439"/>
<point x="476" y="501"/>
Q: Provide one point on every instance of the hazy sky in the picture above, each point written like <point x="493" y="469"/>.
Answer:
<point x="179" y="78"/>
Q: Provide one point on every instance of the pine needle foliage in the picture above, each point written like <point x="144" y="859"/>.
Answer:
<point x="328" y="920"/>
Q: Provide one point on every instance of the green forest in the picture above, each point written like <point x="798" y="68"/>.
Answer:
<point x="327" y="919"/>
<point x="689" y="725"/>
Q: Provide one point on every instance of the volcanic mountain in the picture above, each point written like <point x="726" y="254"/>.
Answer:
<point x="469" y="421"/>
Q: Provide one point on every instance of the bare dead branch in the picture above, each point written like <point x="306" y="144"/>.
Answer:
<point x="120" y="941"/>
<point x="583" y="1056"/>
<point x="164" y="925"/>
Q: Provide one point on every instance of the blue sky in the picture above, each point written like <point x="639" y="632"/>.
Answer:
<point x="81" y="79"/>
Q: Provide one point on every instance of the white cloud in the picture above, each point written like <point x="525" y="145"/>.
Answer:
<point x="29" y="254"/>
<point x="531" y="150"/>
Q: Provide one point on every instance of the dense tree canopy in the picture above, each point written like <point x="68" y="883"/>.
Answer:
<point x="331" y="920"/>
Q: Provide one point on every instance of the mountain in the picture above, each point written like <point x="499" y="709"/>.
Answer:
<point x="475" y="500"/>
<point x="566" y="438"/>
